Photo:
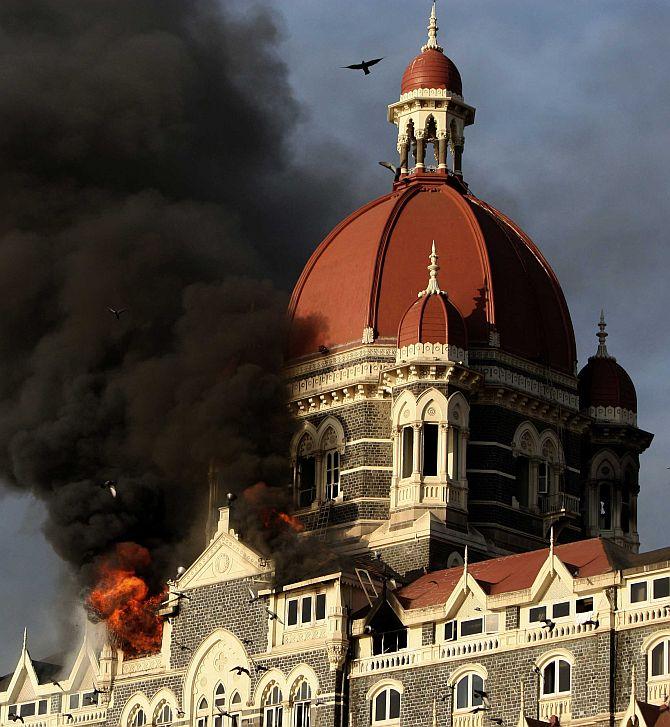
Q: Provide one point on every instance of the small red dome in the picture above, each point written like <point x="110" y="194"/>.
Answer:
<point x="431" y="69"/>
<point x="432" y="319"/>
<point x="603" y="382"/>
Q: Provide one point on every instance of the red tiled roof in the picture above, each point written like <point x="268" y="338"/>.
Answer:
<point x="604" y="382"/>
<point x="583" y="558"/>
<point x="433" y="319"/>
<point x="654" y="715"/>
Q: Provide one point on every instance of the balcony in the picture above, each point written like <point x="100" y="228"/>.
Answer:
<point x="467" y="719"/>
<point x="658" y="689"/>
<point x="559" y="504"/>
<point x="559" y="706"/>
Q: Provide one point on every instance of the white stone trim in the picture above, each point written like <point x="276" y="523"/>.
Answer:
<point x="373" y="468"/>
<point x="616" y="415"/>
<point x="515" y="380"/>
<point x="430" y="352"/>
<point x="481" y="443"/>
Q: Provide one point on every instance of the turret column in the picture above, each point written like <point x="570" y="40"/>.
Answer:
<point x="442" y="145"/>
<point x="458" y="156"/>
<point x="404" y="155"/>
<point x="420" y="150"/>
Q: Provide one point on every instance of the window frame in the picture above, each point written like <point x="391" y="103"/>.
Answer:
<point x="653" y="588"/>
<point x="556" y="662"/>
<point x="644" y="585"/>
<point x="407" y="463"/>
<point x="274" y="708"/>
<point x="474" y="633"/>
<point x="300" y="600"/>
<point x="387" y="719"/>
<point x="302" y="705"/>
<point x="331" y="474"/>
<point x="664" y="644"/>
<point x="472" y="700"/>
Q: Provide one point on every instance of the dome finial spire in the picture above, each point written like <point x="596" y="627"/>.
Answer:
<point x="432" y="43"/>
<point x="433" y="287"/>
<point x="602" y="336"/>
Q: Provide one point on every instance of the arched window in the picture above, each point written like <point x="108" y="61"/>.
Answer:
<point x="138" y="717"/>
<point x="273" y="712"/>
<point x="219" y="705"/>
<point x="659" y="659"/>
<point x="163" y="714"/>
<point x="385" y="707"/>
<point x="305" y="472"/>
<point x="234" y="710"/>
<point x="202" y="713"/>
<point x="469" y="691"/>
<point x="556" y="677"/>
<point x="301" y="705"/>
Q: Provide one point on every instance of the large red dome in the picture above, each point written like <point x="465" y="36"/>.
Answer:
<point x="432" y="69"/>
<point x="368" y="271"/>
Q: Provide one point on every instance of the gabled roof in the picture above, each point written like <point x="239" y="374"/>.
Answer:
<point x="584" y="558"/>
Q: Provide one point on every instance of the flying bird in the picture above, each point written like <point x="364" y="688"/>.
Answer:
<point x="392" y="168"/>
<point x="593" y="622"/>
<point x="183" y="647"/>
<point x="273" y="616"/>
<point x="180" y="713"/>
<point x="254" y="597"/>
<point x="324" y="349"/>
<point x="181" y="594"/>
<point x="261" y="668"/>
<point x="110" y="485"/>
<point x="117" y="312"/>
<point x="484" y="697"/>
<point x="364" y="65"/>
<point x="16" y="717"/>
<point x="477" y="710"/>
<point x="57" y="684"/>
<point x="497" y="720"/>
<point x="68" y="717"/>
<point x="239" y="670"/>
<point x="547" y="623"/>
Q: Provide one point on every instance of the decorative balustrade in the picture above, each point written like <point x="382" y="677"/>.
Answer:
<point x="658" y="691"/>
<point x="86" y="716"/>
<point x="456" y="649"/>
<point x="559" y="706"/>
<point x="642" y="615"/>
<point x="467" y="719"/>
<point x="558" y="632"/>
<point x="559" y="503"/>
<point x="383" y="662"/>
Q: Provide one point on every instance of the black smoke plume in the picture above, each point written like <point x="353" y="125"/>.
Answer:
<point x="146" y="162"/>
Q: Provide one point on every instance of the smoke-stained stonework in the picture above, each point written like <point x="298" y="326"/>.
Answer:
<point x="467" y="500"/>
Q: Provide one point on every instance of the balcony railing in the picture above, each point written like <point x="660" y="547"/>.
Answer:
<point x="559" y="706"/>
<point x="658" y="690"/>
<point x="559" y="503"/>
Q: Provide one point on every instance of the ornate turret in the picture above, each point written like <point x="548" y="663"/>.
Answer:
<point x="431" y="108"/>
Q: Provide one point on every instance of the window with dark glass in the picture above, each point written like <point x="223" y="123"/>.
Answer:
<point x="469" y="691"/>
<point x="306" y="481"/>
<point x="306" y="610"/>
<point x="472" y="626"/>
<point x="660" y="660"/>
<point x="386" y="706"/>
<point x="662" y="588"/>
<point x="407" y="451"/>
<point x="430" y="433"/>
<point x="539" y="613"/>
<point x="455" y="453"/>
<point x="556" y="677"/>
<point x="320" y="609"/>
<point x="558" y="610"/>
<point x="450" y="631"/>
<point x="638" y="592"/>
<point x="292" y="612"/>
<point x="584" y="605"/>
<point x="522" y="474"/>
<point x="389" y="642"/>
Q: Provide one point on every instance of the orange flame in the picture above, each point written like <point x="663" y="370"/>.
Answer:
<point x="121" y="598"/>
<point x="291" y="521"/>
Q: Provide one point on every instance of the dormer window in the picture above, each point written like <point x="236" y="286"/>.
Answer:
<point x="305" y="610"/>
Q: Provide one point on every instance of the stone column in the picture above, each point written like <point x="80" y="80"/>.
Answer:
<point x="458" y="156"/>
<point x="404" y="156"/>
<point x="442" y="151"/>
<point x="420" y="151"/>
